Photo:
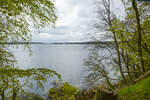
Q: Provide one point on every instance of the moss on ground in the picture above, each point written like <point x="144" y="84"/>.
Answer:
<point x="138" y="91"/>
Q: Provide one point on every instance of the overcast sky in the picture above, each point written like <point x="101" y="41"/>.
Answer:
<point x="74" y="22"/>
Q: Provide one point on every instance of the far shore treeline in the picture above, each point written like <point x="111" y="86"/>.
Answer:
<point x="88" y="42"/>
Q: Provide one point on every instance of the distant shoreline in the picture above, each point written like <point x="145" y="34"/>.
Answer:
<point x="89" y="42"/>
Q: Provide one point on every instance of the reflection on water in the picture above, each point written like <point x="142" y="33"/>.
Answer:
<point x="67" y="60"/>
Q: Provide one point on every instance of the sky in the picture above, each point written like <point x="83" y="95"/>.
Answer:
<point x="75" y="18"/>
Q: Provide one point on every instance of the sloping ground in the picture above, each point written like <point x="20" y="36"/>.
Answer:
<point x="138" y="91"/>
<point x="86" y="95"/>
<point x="103" y="94"/>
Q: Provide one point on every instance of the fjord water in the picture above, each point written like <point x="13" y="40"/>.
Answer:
<point x="66" y="59"/>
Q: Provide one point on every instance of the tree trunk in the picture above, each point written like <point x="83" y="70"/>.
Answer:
<point x="108" y="81"/>
<point x="119" y="58"/>
<point x="116" y="47"/>
<point x="14" y="95"/>
<point x="139" y="36"/>
<point x="126" y="61"/>
<point x="3" y="95"/>
<point x="134" y="69"/>
<point x="107" y="77"/>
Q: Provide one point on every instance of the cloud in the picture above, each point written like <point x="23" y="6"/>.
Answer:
<point x="75" y="20"/>
<point x="74" y="17"/>
<point x="45" y="37"/>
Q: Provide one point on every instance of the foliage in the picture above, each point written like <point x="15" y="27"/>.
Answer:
<point x="63" y="92"/>
<point x="16" y="19"/>
<point x="130" y="55"/>
<point x="97" y="63"/>
<point x="17" y="16"/>
<point x="15" y="80"/>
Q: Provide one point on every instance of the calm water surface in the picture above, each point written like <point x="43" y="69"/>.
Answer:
<point x="66" y="59"/>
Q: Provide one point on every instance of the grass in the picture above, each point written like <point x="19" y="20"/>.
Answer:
<point x="138" y="91"/>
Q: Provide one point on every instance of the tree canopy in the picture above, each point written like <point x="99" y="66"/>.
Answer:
<point x="16" y="17"/>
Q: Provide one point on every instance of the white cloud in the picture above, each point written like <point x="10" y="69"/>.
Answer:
<point x="74" y="21"/>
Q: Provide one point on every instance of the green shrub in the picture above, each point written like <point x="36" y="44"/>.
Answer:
<point x="64" y="92"/>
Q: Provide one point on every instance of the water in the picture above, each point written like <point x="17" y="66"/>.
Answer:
<point x="66" y="59"/>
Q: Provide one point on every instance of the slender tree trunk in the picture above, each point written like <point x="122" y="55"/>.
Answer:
<point x="116" y="44"/>
<point x="3" y="95"/>
<point x="109" y="83"/>
<point x="139" y="36"/>
<point x="145" y="47"/>
<point x="127" y="66"/>
<point x="3" y="91"/>
<point x="107" y="77"/>
<point x="13" y="88"/>
<point x="126" y="61"/>
<point x="134" y="69"/>
<point x="119" y="58"/>
<point x="14" y="95"/>
<point x="107" y="17"/>
<point x="117" y="50"/>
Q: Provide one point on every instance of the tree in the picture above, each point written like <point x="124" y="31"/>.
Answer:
<point x="139" y="36"/>
<point x="16" y="18"/>
<point x="133" y="39"/>
<point x="104" y="22"/>
<point x="64" y="92"/>
<point x="100" y="64"/>
<point x="130" y="36"/>
<point x="12" y="83"/>
<point x="137" y="13"/>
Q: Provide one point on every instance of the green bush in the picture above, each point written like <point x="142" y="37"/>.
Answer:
<point x="64" y="92"/>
